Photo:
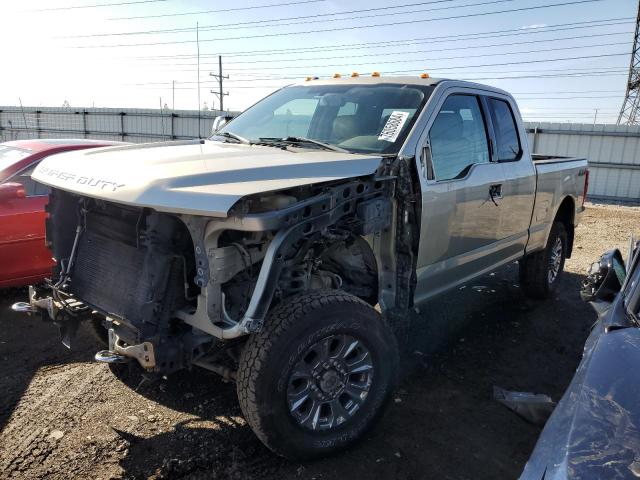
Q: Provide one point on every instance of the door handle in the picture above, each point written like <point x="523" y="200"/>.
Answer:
<point x="495" y="192"/>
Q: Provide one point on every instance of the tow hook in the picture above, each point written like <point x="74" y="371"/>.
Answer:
<point x="122" y="353"/>
<point x="106" y="356"/>
<point x="24" y="307"/>
<point x="36" y="305"/>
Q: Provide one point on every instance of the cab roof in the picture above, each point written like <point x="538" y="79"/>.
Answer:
<point x="368" y="79"/>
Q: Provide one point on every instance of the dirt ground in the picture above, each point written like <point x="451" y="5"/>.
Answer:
<point x="64" y="416"/>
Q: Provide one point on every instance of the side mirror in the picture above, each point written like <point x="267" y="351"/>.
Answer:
<point x="11" y="191"/>
<point x="605" y="278"/>
<point x="218" y="123"/>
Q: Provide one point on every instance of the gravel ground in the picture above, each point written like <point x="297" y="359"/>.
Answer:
<point x="63" y="416"/>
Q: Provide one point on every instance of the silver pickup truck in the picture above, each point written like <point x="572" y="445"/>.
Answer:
<point x="287" y="251"/>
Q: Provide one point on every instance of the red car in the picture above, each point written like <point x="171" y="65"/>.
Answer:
<point x="24" y="258"/>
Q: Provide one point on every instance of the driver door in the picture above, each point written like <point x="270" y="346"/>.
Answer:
<point x="460" y="220"/>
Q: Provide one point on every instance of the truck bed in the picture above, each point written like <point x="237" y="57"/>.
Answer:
<point x="546" y="159"/>
<point x="557" y="178"/>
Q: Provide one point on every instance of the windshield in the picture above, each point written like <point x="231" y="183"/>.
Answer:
<point x="357" y="118"/>
<point x="11" y="155"/>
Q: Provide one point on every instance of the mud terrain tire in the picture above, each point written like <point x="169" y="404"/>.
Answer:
<point x="536" y="278"/>
<point x="330" y="322"/>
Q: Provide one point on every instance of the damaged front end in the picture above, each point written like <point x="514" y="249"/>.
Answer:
<point x="127" y="267"/>
<point x="176" y="290"/>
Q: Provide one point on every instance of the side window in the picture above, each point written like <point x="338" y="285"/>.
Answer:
<point x="458" y="137"/>
<point x="31" y="187"/>
<point x="506" y="130"/>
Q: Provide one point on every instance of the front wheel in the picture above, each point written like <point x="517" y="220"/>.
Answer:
<point x="540" y="272"/>
<point x="318" y="375"/>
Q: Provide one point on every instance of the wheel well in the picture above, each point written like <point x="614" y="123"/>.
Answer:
<point x="566" y="215"/>
<point x="355" y="262"/>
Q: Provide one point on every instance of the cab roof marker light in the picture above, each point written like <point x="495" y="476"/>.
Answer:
<point x="424" y="75"/>
<point x="337" y="75"/>
<point x="355" y="74"/>
<point x="375" y="74"/>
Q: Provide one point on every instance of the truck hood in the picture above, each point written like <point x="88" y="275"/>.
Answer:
<point x="195" y="177"/>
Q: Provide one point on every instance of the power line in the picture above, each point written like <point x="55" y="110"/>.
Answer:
<point x="515" y="77"/>
<point x="96" y="5"/>
<point x="253" y="7"/>
<point x="390" y="43"/>
<point x="533" y="74"/>
<point x="568" y="98"/>
<point x="310" y="69"/>
<point x="561" y="115"/>
<point x="546" y="77"/>
<point x="307" y="67"/>
<point x="260" y="23"/>
<point x="406" y="52"/>
<point x="524" y="62"/>
<point x="352" y="27"/>
<point x="564" y="92"/>
<point x="552" y="114"/>
<point x="246" y="78"/>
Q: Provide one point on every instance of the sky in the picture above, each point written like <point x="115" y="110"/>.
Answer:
<point x="564" y="60"/>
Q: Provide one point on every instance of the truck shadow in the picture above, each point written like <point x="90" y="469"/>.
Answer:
<point x="486" y="333"/>
<point x="441" y="423"/>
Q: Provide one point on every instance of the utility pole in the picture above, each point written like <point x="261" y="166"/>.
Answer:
<point x="630" y="111"/>
<point x="173" y="94"/>
<point x="595" y="116"/>
<point x="220" y="94"/>
<point x="198" y="48"/>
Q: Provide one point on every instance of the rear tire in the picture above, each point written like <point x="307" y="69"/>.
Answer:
<point x="541" y="272"/>
<point x="318" y="375"/>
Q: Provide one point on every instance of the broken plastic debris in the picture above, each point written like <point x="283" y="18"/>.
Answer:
<point x="533" y="407"/>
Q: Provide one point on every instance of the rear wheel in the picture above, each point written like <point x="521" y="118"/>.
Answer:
<point x="318" y="375"/>
<point x="540" y="273"/>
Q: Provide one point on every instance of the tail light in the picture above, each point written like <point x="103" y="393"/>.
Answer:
<point x="586" y="186"/>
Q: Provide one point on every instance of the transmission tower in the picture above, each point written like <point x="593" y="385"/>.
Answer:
<point x="630" y="111"/>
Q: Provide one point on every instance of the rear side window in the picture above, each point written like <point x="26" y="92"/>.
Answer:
<point x="458" y="138"/>
<point x="506" y="130"/>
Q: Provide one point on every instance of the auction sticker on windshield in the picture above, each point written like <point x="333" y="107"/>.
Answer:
<point x="393" y="127"/>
